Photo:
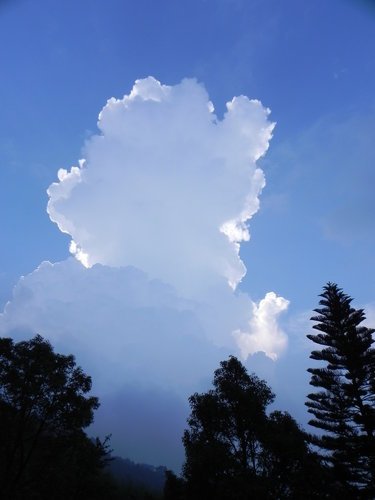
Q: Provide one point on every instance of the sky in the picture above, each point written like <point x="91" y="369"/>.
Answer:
<point x="223" y="168"/>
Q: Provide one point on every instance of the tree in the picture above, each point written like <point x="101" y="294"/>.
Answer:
<point x="234" y="450"/>
<point x="291" y="469"/>
<point x="44" y="409"/>
<point x="174" y="487"/>
<point x="344" y="408"/>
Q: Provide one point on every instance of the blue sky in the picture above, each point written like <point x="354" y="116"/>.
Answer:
<point x="310" y="62"/>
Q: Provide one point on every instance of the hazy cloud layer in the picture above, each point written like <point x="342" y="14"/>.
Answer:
<point x="144" y="345"/>
<point x="123" y="327"/>
<point x="156" y="211"/>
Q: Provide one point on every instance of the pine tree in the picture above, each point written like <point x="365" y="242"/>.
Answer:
<point x="344" y="408"/>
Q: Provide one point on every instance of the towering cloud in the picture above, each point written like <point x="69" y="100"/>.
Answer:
<point x="156" y="212"/>
<point x="166" y="186"/>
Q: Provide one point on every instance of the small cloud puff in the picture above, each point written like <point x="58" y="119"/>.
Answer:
<point x="264" y="333"/>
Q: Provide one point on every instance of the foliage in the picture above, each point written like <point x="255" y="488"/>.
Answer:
<point x="344" y="408"/>
<point x="174" y="487"/>
<point x="235" y="451"/>
<point x="44" y="409"/>
<point x="137" y="477"/>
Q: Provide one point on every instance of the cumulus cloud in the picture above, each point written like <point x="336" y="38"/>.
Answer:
<point x="156" y="211"/>
<point x="264" y="333"/>
<point x="166" y="186"/>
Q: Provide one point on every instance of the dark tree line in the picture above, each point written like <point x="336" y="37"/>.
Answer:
<point x="236" y="449"/>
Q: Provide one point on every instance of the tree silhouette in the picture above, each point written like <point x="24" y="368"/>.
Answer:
<point x="174" y="487"/>
<point x="44" y="408"/>
<point x="344" y="408"/>
<point x="235" y="451"/>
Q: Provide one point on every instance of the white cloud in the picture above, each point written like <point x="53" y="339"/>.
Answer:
<point x="166" y="186"/>
<point x="156" y="210"/>
<point x="264" y="333"/>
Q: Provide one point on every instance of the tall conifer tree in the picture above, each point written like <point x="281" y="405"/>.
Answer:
<point x="344" y="408"/>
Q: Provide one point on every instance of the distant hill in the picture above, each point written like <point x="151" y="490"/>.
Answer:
<point x="144" y="476"/>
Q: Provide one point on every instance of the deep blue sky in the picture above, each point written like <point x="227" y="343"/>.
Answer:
<point x="311" y="62"/>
